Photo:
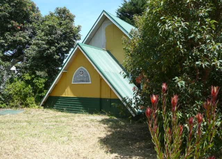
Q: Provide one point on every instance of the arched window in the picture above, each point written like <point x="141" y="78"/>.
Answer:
<point x="81" y="76"/>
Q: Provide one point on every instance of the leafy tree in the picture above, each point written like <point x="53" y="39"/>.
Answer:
<point x="131" y="8"/>
<point x="180" y="43"/>
<point x="36" y="45"/>
<point x="27" y="37"/>
<point x="17" y="28"/>
<point x="56" y="35"/>
<point x="3" y="74"/>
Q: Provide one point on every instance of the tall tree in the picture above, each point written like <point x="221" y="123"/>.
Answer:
<point x="37" y="45"/>
<point x="130" y="8"/>
<point x="178" y="42"/>
<point x="33" y="42"/>
<point x="17" y="28"/>
<point x="56" y="35"/>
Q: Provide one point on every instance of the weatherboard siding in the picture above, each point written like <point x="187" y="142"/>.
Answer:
<point x="87" y="105"/>
<point x="114" y="42"/>
<point x="97" y="89"/>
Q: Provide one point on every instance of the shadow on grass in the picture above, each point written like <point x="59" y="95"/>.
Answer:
<point x="128" y="140"/>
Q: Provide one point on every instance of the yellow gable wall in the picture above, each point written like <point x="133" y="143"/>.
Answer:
<point x="97" y="89"/>
<point x="114" y="37"/>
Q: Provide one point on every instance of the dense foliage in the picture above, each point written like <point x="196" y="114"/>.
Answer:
<point x="178" y="42"/>
<point x="56" y="36"/>
<point x="17" y="19"/>
<point x="37" y="45"/>
<point x="131" y="8"/>
<point x="17" y="28"/>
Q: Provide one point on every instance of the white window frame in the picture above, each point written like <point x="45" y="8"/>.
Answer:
<point x="81" y="82"/>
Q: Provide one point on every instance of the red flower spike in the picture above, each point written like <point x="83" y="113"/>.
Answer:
<point x="199" y="117"/>
<point x="181" y="130"/>
<point x="174" y="101"/>
<point x="134" y="89"/>
<point x="207" y="104"/>
<point x="169" y="131"/>
<point x="148" y="112"/>
<point x="164" y="88"/>
<point x="191" y="121"/>
<point x="139" y="79"/>
<point x="214" y="91"/>
<point x="212" y="157"/>
<point x="154" y="99"/>
<point x="154" y="129"/>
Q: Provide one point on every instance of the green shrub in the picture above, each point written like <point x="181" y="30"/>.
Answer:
<point x="19" y="94"/>
<point x="180" y="43"/>
<point x="25" y="91"/>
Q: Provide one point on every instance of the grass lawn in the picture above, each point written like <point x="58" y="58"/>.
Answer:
<point x="43" y="134"/>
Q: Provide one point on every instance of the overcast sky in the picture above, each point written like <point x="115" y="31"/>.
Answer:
<point x="86" y="11"/>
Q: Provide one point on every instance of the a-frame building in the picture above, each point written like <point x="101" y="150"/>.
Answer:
<point x="92" y="78"/>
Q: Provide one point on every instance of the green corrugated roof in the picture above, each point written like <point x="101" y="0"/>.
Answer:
<point x="124" y="25"/>
<point x="110" y="70"/>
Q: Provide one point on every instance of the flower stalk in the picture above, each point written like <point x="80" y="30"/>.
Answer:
<point x="174" y="131"/>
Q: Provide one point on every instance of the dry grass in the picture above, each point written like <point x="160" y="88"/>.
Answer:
<point x="48" y="134"/>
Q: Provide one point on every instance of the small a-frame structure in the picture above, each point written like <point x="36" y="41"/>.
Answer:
<point x="92" y="78"/>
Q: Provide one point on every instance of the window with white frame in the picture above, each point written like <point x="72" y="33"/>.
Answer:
<point x="81" y="76"/>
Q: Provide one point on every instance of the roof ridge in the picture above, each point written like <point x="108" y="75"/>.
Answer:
<point x="118" y="18"/>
